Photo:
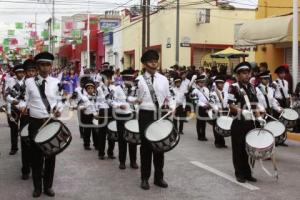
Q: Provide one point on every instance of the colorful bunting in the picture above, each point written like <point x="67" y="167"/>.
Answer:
<point x="6" y="42"/>
<point x="13" y="41"/>
<point x="69" y="25"/>
<point x="76" y="34"/>
<point x="33" y="34"/>
<point x="11" y="32"/>
<point x="57" y="26"/>
<point x="45" y="34"/>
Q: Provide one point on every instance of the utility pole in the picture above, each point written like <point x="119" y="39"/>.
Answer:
<point x="52" y="41"/>
<point x="88" y="36"/>
<point x="148" y="23"/>
<point x="295" y="43"/>
<point x="144" y="26"/>
<point x="177" y="33"/>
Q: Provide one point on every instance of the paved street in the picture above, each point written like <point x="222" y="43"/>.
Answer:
<point x="194" y="170"/>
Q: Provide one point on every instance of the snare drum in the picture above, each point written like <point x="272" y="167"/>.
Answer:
<point x="289" y="117"/>
<point x="54" y="138"/>
<point x="223" y="126"/>
<point x="278" y="130"/>
<point x="112" y="131"/>
<point x="132" y="132"/>
<point x="25" y="135"/>
<point x="260" y="143"/>
<point x="162" y="135"/>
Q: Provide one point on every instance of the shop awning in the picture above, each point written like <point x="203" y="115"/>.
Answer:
<point x="266" y="31"/>
<point x="229" y="53"/>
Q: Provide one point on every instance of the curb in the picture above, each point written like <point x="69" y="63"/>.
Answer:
<point x="293" y="136"/>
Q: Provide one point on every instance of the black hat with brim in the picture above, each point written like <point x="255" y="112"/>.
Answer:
<point x="201" y="78"/>
<point x="89" y="83"/>
<point x="242" y="67"/>
<point x="108" y="73"/>
<point x="265" y="74"/>
<point x="44" y="57"/>
<point x="19" y="68"/>
<point x="29" y="64"/>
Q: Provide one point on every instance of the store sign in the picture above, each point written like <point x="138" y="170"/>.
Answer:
<point x="185" y="42"/>
<point x="108" y="38"/>
<point x="108" y="25"/>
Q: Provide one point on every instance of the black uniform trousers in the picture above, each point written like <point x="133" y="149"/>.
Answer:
<point x="40" y="163"/>
<point x="88" y="130"/>
<point x="121" y="119"/>
<point x="106" y="117"/>
<point x="201" y="122"/>
<point x="13" y="124"/>
<point x="146" y="117"/>
<point x="239" y="129"/>
<point x="179" y="119"/>
<point x="25" y="147"/>
<point x="219" y="139"/>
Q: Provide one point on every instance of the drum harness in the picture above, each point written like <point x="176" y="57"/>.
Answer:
<point x="251" y="160"/>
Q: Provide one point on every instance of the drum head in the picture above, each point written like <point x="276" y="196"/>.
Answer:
<point x="24" y="132"/>
<point x="225" y="122"/>
<point x="260" y="138"/>
<point x="112" y="126"/>
<point x="290" y="114"/>
<point x="158" y="131"/>
<point x="275" y="127"/>
<point x="47" y="132"/>
<point x="132" y="126"/>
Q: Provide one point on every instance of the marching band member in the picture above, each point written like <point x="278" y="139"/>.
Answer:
<point x="123" y="113"/>
<point x="219" y="97"/>
<point x="201" y="92"/>
<point x="281" y="88"/>
<point x="15" y="93"/>
<point x="30" y="71"/>
<point x="242" y="102"/>
<point x="88" y="106"/>
<point x="42" y="98"/>
<point x="179" y="94"/>
<point x="265" y="94"/>
<point x="105" y="96"/>
<point x="153" y="91"/>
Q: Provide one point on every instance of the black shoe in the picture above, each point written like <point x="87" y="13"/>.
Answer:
<point x="87" y="148"/>
<point x="122" y="166"/>
<point x="36" y="193"/>
<point x="134" y="166"/>
<point x="202" y="139"/>
<point x="161" y="183"/>
<point x="111" y="157"/>
<point x="283" y="144"/>
<point x="13" y="152"/>
<point x="25" y="176"/>
<point x="49" y="192"/>
<point x="145" y="185"/>
<point x="241" y="180"/>
<point x="101" y="157"/>
<point x="181" y="133"/>
<point x="219" y="146"/>
<point x="251" y="179"/>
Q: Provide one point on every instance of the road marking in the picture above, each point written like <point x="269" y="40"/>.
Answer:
<point x="223" y="175"/>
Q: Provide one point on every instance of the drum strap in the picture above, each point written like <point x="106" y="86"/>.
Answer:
<point x="265" y="95"/>
<point x="41" y="89"/>
<point x="151" y="90"/>
<point x="220" y="98"/>
<point x="282" y="93"/>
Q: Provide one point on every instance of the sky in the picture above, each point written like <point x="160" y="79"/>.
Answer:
<point x="12" y="11"/>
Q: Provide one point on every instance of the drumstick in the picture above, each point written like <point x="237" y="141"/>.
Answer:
<point x="46" y="122"/>
<point x="271" y="117"/>
<point x="163" y="117"/>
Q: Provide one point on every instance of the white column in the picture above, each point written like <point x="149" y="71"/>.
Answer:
<point x="295" y="43"/>
<point x="88" y="37"/>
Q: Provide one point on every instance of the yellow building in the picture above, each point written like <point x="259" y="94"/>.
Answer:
<point x="271" y="33"/>
<point x="205" y="28"/>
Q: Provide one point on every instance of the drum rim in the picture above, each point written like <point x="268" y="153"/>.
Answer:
<point x="175" y="144"/>
<point x="285" y="129"/>
<point x="110" y="123"/>
<point x="290" y="109"/>
<point x="262" y="147"/>
<point x="173" y="129"/>
<point x="62" y="124"/>
<point x="130" y="130"/>
<point x="224" y="117"/>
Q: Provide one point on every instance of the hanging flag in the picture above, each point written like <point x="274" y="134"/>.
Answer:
<point x="76" y="34"/>
<point x="69" y="25"/>
<point x="33" y="34"/>
<point x="19" y="25"/>
<point x="6" y="49"/>
<point x="13" y="41"/>
<point x="78" y="41"/>
<point x="45" y="48"/>
<point x="6" y="42"/>
<point x="30" y="43"/>
<point x="57" y="26"/>
<point x="45" y="34"/>
<point x="11" y="32"/>
<point x="1" y="49"/>
<point x="29" y="25"/>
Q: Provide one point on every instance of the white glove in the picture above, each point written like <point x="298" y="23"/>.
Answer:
<point x="261" y="121"/>
<point x="247" y="114"/>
